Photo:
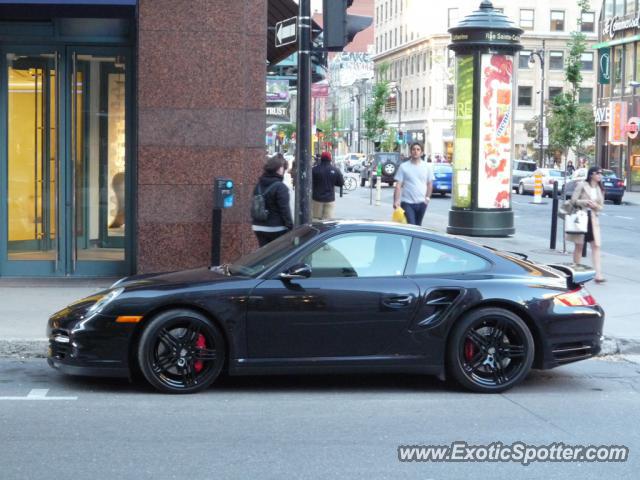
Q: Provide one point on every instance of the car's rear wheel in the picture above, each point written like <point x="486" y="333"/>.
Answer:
<point x="181" y="351"/>
<point x="389" y="169"/>
<point x="521" y="189"/>
<point x="490" y="350"/>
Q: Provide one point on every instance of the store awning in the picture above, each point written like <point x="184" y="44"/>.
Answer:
<point x="613" y="43"/>
<point x="280" y="10"/>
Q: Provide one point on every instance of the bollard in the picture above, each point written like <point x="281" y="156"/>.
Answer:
<point x="537" y="189"/>
<point x="378" y="191"/>
<point x="554" y="217"/>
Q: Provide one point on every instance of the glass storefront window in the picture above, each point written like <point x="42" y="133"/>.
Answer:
<point x="617" y="70"/>
<point x="608" y="8"/>
<point x="631" y="6"/>
<point x="628" y="68"/>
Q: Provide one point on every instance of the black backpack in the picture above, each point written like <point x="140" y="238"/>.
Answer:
<point x="259" y="211"/>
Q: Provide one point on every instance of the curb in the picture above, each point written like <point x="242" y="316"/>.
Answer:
<point x="23" y="348"/>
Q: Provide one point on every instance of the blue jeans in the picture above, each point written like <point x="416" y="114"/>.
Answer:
<point x="414" y="212"/>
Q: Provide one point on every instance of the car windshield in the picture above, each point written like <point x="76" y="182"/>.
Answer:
<point x="381" y="158"/>
<point x="264" y="258"/>
<point x="556" y="173"/>
<point x="526" y="167"/>
<point x="608" y="173"/>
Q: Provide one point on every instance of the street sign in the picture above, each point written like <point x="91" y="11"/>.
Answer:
<point x="286" y="31"/>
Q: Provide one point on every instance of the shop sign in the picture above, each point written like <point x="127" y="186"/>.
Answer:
<point x="601" y="114"/>
<point x="277" y="90"/>
<point x="613" y="25"/>
<point x="604" y="66"/>
<point x="415" y="136"/>
<point x="617" y="124"/>
<point x="278" y="113"/>
<point x="631" y="128"/>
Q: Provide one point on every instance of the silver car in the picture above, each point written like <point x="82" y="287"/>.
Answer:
<point x="549" y="176"/>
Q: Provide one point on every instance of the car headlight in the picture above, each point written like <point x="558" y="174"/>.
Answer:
<point x="104" y="301"/>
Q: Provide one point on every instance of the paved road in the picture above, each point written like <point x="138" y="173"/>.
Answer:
<point x="314" y="427"/>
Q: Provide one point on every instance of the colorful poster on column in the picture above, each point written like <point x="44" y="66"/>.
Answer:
<point x="464" y="132"/>
<point x="494" y="163"/>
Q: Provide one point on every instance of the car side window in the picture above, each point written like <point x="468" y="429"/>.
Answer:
<point x="438" y="259"/>
<point x="360" y="254"/>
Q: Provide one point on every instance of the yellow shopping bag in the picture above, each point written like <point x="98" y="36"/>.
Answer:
<point x="399" y="216"/>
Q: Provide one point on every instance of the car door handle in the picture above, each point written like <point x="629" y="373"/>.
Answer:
<point x="397" y="301"/>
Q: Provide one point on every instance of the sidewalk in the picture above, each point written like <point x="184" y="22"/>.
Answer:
<point x="25" y="304"/>
<point x="617" y="296"/>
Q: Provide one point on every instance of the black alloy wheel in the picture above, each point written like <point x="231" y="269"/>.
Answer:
<point x="181" y="351"/>
<point x="490" y="350"/>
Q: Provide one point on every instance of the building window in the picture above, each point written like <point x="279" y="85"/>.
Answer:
<point x="631" y="6"/>
<point x="424" y="62"/>
<point x="628" y="68"/>
<point x="452" y="17"/>
<point x="400" y="33"/>
<point x="554" y="92"/>
<point x="526" y="18"/>
<point x="525" y="96"/>
<point x="585" y="95"/>
<point x="556" y="60"/>
<point x="588" y="22"/>
<point x="523" y="58"/>
<point x="413" y="64"/>
<point x="411" y="99"/>
<point x="449" y="95"/>
<point x="424" y="99"/>
<point x="617" y="58"/>
<point x="430" y="96"/>
<point x="557" y="21"/>
<point x="395" y="35"/>
<point x="405" y="100"/>
<point x="587" y="61"/>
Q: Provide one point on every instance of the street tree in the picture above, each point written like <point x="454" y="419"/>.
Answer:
<point x="571" y="124"/>
<point x="374" y="123"/>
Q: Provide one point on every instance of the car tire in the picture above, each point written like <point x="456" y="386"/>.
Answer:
<point x="490" y="350"/>
<point x="390" y="184"/>
<point x="520" y="189"/>
<point x="181" y="351"/>
<point x="389" y="169"/>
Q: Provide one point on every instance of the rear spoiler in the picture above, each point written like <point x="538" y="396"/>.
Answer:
<point x="577" y="274"/>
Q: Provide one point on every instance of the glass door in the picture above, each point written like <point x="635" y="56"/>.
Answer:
<point x="30" y="162"/>
<point x="64" y="162"/>
<point x="98" y="161"/>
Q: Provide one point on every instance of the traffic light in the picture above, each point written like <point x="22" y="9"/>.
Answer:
<point x="339" y="27"/>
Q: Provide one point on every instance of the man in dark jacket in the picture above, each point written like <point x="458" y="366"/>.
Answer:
<point x="325" y="177"/>
<point x="276" y="199"/>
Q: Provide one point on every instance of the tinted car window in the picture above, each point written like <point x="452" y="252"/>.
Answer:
<point x="608" y="173"/>
<point x="362" y="254"/>
<point x="264" y="258"/>
<point x="437" y="259"/>
<point x="525" y="166"/>
<point x="556" y="173"/>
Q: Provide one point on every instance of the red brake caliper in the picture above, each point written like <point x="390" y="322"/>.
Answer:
<point x="468" y="350"/>
<point x="200" y="344"/>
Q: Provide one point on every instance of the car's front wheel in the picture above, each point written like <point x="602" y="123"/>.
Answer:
<point x="181" y="351"/>
<point x="521" y="189"/>
<point x="490" y="350"/>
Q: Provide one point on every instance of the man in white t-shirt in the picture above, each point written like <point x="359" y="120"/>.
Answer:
<point x="414" y="184"/>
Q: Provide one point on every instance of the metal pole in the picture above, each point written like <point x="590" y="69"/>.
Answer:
<point x="541" y="56"/>
<point x="303" y="135"/>
<point x="400" y="119"/>
<point x="358" y="106"/>
<point x="554" y="217"/>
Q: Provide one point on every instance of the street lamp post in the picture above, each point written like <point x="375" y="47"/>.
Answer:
<point x="540" y="54"/>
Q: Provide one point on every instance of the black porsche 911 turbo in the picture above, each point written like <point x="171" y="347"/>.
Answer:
<point x="337" y="297"/>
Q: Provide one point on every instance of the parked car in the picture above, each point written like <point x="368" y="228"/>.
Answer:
<point x="353" y="162"/>
<point x="613" y="186"/>
<point x="331" y="297"/>
<point x="521" y="169"/>
<point x="390" y="161"/>
<point x="549" y="176"/>
<point x="443" y="173"/>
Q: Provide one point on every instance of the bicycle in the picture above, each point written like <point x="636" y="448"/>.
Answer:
<point x="350" y="183"/>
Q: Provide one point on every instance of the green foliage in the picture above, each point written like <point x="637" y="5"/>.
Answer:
<point x="570" y="123"/>
<point x="390" y="142"/>
<point x="374" y="123"/>
<point x="287" y="128"/>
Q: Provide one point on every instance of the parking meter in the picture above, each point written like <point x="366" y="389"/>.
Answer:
<point x="223" y="193"/>
<point x="222" y="198"/>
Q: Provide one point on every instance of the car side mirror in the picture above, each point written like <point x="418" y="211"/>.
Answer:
<point x="296" y="272"/>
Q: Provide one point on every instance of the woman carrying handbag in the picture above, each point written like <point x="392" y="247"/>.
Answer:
<point x="589" y="196"/>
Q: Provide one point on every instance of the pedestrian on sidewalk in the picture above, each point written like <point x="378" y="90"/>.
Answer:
<point x="414" y="185"/>
<point x="275" y="195"/>
<point x="589" y="194"/>
<point x="325" y="177"/>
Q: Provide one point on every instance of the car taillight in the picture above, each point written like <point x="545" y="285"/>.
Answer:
<point x="619" y="183"/>
<point x="579" y="297"/>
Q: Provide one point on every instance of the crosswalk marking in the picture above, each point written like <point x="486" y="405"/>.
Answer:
<point x="38" y="394"/>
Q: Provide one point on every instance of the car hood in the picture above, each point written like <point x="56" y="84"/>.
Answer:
<point x="193" y="276"/>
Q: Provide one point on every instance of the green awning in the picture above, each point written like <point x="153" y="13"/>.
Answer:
<point x="612" y="43"/>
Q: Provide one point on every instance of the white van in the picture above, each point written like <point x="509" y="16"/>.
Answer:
<point x="521" y="169"/>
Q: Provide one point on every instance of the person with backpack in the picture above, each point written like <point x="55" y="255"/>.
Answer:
<point x="270" y="209"/>
<point x="324" y="177"/>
